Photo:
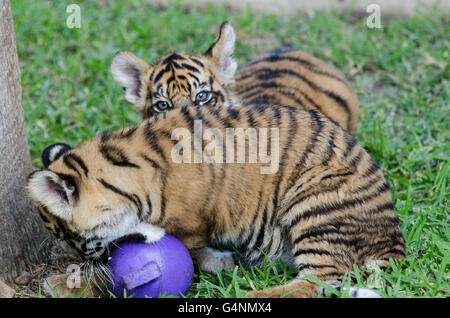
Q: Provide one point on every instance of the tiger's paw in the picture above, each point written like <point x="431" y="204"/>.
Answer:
<point x="293" y="289"/>
<point x="274" y="292"/>
<point x="64" y="286"/>
<point x="212" y="261"/>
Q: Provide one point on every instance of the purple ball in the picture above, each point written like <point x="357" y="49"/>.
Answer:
<point x="151" y="269"/>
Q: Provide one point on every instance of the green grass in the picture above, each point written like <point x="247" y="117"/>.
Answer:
<point x="400" y="74"/>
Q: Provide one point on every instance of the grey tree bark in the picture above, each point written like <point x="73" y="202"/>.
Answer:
<point x="21" y="231"/>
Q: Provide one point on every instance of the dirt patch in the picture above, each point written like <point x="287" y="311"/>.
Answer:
<point x="55" y="261"/>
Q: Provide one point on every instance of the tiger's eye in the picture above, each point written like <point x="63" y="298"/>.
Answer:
<point x="161" y="106"/>
<point x="203" y="97"/>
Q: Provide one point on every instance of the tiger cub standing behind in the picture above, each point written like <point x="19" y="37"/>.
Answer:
<point x="279" y="77"/>
<point x="326" y="206"/>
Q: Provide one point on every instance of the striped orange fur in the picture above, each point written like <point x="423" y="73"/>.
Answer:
<point x="326" y="207"/>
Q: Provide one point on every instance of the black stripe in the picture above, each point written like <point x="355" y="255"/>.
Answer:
<point x="265" y="74"/>
<point x="263" y="99"/>
<point x="170" y="80"/>
<point x="286" y="91"/>
<point x="292" y="132"/>
<point x="197" y="62"/>
<point x="188" y="118"/>
<point x="310" y="66"/>
<point x="351" y="143"/>
<point x="196" y="79"/>
<point x="243" y="246"/>
<point x="172" y="57"/>
<point x="129" y="133"/>
<point x="395" y="251"/>
<point x="337" y="175"/>
<point x="151" y="161"/>
<point x="139" y="205"/>
<point x="330" y="147"/>
<point x="150" y="209"/>
<point x="261" y="230"/>
<point x="152" y="140"/>
<point x="336" y="227"/>
<point x="372" y="169"/>
<point x="68" y="161"/>
<point x="388" y="242"/>
<point x="130" y="197"/>
<point x="314" y="251"/>
<point x="251" y="119"/>
<point x="248" y="95"/>
<point x="80" y="162"/>
<point x="161" y="74"/>
<point x="261" y="108"/>
<point x="328" y="274"/>
<point x="216" y="112"/>
<point x="336" y="206"/>
<point x="369" y="184"/>
<point x="305" y="195"/>
<point x="190" y="68"/>
<point x="116" y="156"/>
<point x="233" y="113"/>
<point x="315" y="233"/>
<point x="316" y="128"/>
<point x="220" y="95"/>
<point x="357" y="159"/>
<point x="43" y="217"/>
<point x="309" y="266"/>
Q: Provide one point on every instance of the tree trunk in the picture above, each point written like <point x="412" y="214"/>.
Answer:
<point x="21" y="231"/>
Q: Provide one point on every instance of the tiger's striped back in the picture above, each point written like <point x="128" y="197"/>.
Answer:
<point x="294" y="78"/>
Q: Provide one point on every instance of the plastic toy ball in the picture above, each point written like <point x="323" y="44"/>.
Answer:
<point x="156" y="269"/>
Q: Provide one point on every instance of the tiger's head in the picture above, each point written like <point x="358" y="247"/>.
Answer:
<point x="75" y="207"/>
<point x="180" y="79"/>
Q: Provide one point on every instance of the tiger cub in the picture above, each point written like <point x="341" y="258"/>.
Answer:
<point x="279" y="77"/>
<point x="313" y="197"/>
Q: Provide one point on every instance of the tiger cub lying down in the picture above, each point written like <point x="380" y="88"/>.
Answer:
<point x="324" y="207"/>
<point x="278" y="77"/>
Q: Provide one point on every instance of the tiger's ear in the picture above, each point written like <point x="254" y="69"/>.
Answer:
<point x="131" y="73"/>
<point x="53" y="152"/>
<point x="47" y="189"/>
<point x="221" y="52"/>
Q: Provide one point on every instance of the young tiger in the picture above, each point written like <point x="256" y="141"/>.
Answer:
<point x="325" y="207"/>
<point x="279" y="77"/>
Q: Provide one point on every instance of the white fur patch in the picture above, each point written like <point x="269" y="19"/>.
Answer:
<point x="212" y="261"/>
<point x="227" y="64"/>
<point x="353" y="292"/>
<point x="40" y="191"/>
<point x="151" y="232"/>
<point x="361" y="292"/>
<point x="54" y="151"/>
<point x="127" y="74"/>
